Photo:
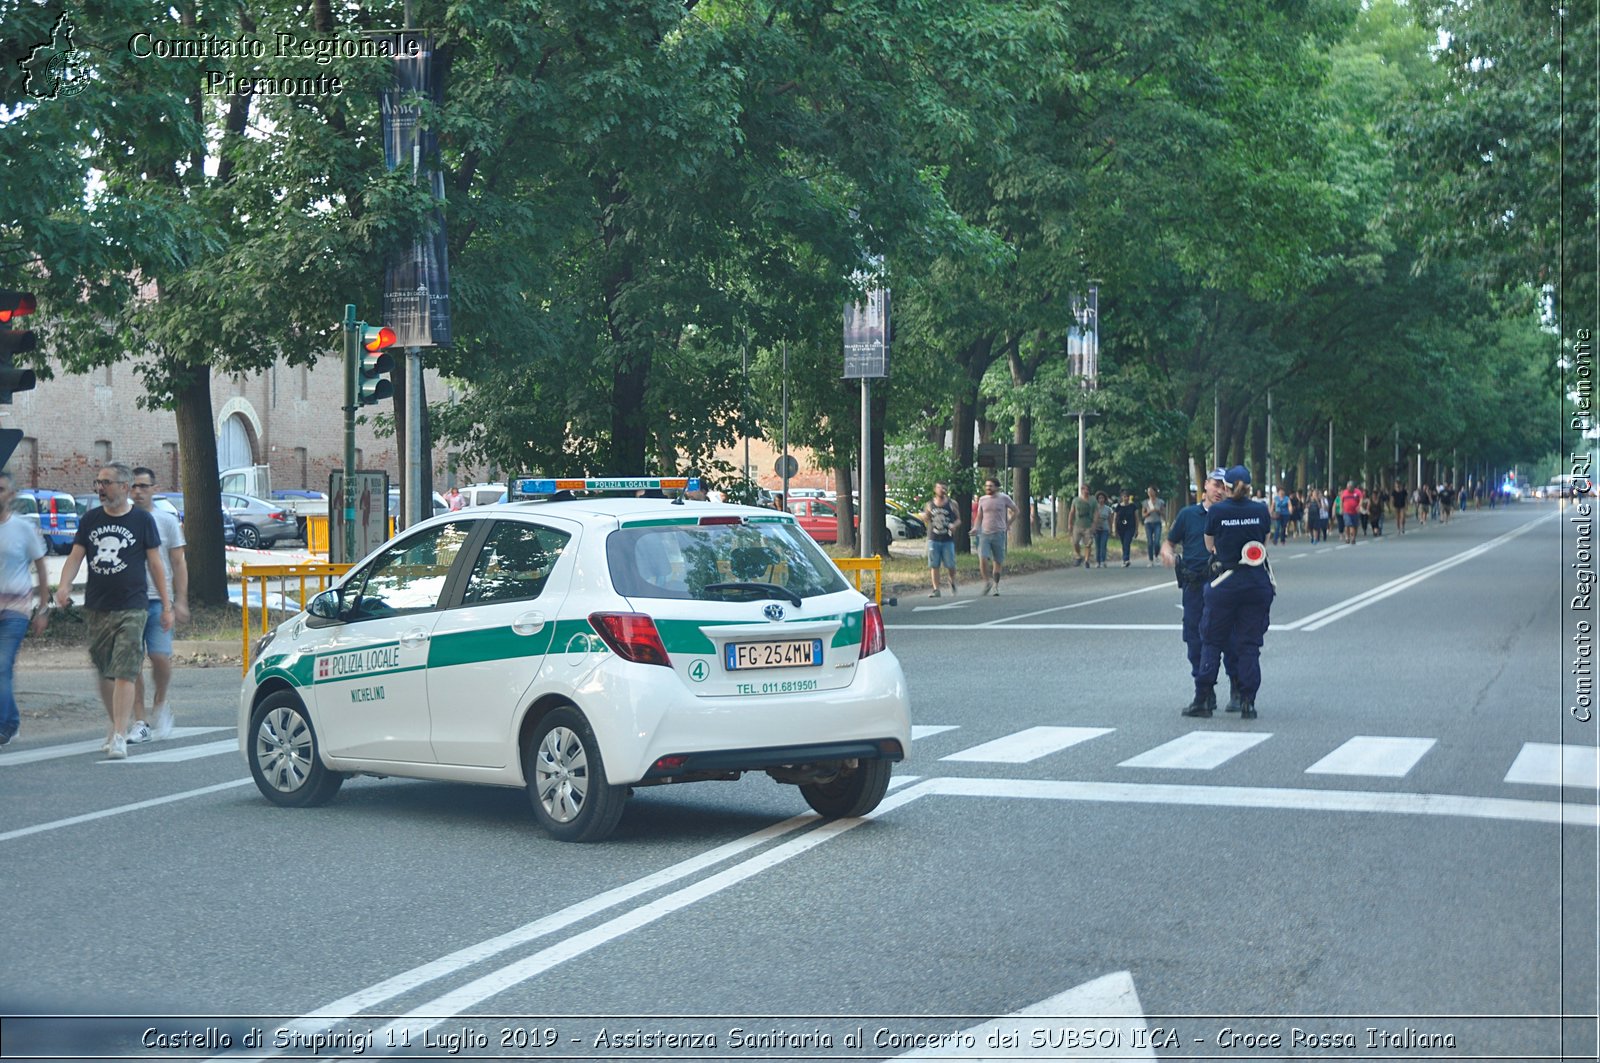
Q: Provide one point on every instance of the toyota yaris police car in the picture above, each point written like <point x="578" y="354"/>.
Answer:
<point x="579" y="647"/>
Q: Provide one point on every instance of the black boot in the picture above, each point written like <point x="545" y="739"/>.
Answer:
<point x="1234" y="700"/>
<point x="1247" y="709"/>
<point x="1203" y="704"/>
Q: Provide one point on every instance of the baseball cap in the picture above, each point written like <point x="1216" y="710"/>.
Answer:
<point x="1237" y="475"/>
<point x="1219" y="473"/>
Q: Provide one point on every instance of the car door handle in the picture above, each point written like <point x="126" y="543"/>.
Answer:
<point x="528" y="624"/>
<point x="415" y="637"/>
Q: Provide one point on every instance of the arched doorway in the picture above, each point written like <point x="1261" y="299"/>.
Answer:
<point x="234" y="447"/>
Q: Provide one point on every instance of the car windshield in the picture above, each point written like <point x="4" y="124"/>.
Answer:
<point x="683" y="561"/>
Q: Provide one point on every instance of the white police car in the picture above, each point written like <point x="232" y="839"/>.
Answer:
<point x="579" y="647"/>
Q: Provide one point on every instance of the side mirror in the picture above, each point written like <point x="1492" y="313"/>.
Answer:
<point x="325" y="606"/>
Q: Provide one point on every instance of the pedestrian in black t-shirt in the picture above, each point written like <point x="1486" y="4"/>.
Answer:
<point x="1125" y="520"/>
<point x="122" y="545"/>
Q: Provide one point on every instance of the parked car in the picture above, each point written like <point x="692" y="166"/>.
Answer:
<point x="258" y="522"/>
<point x="55" y="512"/>
<point x="903" y="524"/>
<point x="175" y="500"/>
<point x="819" y="517"/>
<point x="579" y="649"/>
<point x="439" y="504"/>
<point x="483" y="494"/>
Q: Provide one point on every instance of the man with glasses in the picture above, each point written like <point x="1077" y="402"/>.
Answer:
<point x="158" y="639"/>
<point x="122" y="545"/>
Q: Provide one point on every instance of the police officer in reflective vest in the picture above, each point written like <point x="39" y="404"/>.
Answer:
<point x="1239" y="595"/>
<point x="1188" y="534"/>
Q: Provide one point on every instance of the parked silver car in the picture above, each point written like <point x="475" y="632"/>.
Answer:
<point x="258" y="522"/>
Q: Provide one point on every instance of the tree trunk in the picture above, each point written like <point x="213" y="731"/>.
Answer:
<point x="202" y="515"/>
<point x="845" y="508"/>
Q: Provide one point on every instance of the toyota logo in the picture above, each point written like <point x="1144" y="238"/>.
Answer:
<point x="773" y="612"/>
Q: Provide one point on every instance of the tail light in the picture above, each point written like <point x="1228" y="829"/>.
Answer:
<point x="276" y="514"/>
<point x="872" y="636"/>
<point x="631" y="636"/>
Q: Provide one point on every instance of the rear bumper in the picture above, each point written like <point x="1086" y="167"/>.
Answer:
<point x="726" y="760"/>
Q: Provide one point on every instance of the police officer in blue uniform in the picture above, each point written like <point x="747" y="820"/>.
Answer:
<point x="1188" y="534"/>
<point x="1239" y="595"/>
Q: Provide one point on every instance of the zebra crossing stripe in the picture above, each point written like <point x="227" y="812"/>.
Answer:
<point x="1197" y="750"/>
<point x="1368" y="755"/>
<point x="178" y="753"/>
<point x="1546" y="764"/>
<point x="1030" y="744"/>
<point x="927" y="730"/>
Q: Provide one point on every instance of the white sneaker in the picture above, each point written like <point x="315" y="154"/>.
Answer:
<point x="139" y="732"/>
<point x="163" y="726"/>
<point x="119" y="748"/>
<point x="105" y="747"/>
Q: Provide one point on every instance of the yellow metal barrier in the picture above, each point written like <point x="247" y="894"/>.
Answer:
<point x="855" y="567"/>
<point x="312" y="575"/>
<point x="317" y="533"/>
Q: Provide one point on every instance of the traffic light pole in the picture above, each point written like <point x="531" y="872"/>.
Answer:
<point x="352" y="370"/>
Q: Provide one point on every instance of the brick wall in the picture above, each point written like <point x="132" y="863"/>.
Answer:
<point x="73" y="423"/>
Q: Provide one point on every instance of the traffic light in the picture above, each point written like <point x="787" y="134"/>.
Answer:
<point x="376" y="363"/>
<point x="14" y="342"/>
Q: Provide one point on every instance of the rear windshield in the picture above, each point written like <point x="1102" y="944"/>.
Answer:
<point x="682" y="560"/>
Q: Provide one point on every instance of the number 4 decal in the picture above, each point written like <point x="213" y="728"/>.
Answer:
<point x="698" y="671"/>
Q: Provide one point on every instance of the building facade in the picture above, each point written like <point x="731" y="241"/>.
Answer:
<point x="289" y="418"/>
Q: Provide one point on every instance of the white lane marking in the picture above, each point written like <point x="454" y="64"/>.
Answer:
<point x="927" y="730"/>
<point x="1546" y="764"/>
<point x="442" y="1009"/>
<point x="1079" y="605"/>
<point x="447" y="966"/>
<point x="1197" y="750"/>
<point x="72" y="749"/>
<point x="1104" y="1001"/>
<point x="936" y="608"/>
<point x="1040" y="627"/>
<point x="1503" y="808"/>
<point x="1373" y="755"/>
<point x="1029" y="744"/>
<point x="1302" y="554"/>
<point x="87" y="817"/>
<point x="180" y="753"/>
<point x="1340" y="610"/>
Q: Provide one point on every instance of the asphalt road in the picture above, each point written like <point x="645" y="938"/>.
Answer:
<point x="1395" y="852"/>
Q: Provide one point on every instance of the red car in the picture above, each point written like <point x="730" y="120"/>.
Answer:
<point x="818" y="517"/>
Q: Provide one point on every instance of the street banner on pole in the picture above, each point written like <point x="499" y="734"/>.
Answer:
<point x="416" y="288"/>
<point x="866" y="337"/>
<point x="1083" y="338"/>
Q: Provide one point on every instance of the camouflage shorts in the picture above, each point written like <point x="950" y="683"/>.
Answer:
<point x="116" y="641"/>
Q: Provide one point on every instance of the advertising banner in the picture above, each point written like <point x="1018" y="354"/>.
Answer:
<point x="416" y="288"/>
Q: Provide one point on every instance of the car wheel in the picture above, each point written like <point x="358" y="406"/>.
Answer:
<point x="284" y="756"/>
<point x="850" y="791"/>
<point x="567" y="779"/>
<point x="247" y="536"/>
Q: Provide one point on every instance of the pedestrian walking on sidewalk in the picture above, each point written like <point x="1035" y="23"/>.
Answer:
<point x="1155" y="513"/>
<point x="995" y="512"/>
<point x="157" y="639"/>
<point x="1126" y="519"/>
<point x="122" y="545"/>
<point x="24" y="597"/>
<point x="942" y="519"/>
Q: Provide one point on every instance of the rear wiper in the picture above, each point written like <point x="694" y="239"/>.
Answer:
<point x="766" y="590"/>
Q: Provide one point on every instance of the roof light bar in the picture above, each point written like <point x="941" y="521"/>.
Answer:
<point x="608" y="483"/>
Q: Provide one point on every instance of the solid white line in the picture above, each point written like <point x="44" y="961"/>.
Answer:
<point x="1546" y="764"/>
<point x="1340" y="610"/>
<point x="457" y="1001"/>
<point x="1029" y="744"/>
<point x="927" y="730"/>
<point x="72" y="749"/>
<point x="1038" y="627"/>
<point x="1370" y="755"/>
<point x="1197" y="750"/>
<point x="1571" y="815"/>
<point x="455" y="962"/>
<point x="179" y="753"/>
<point x="1078" y="605"/>
<point x="23" y="832"/>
